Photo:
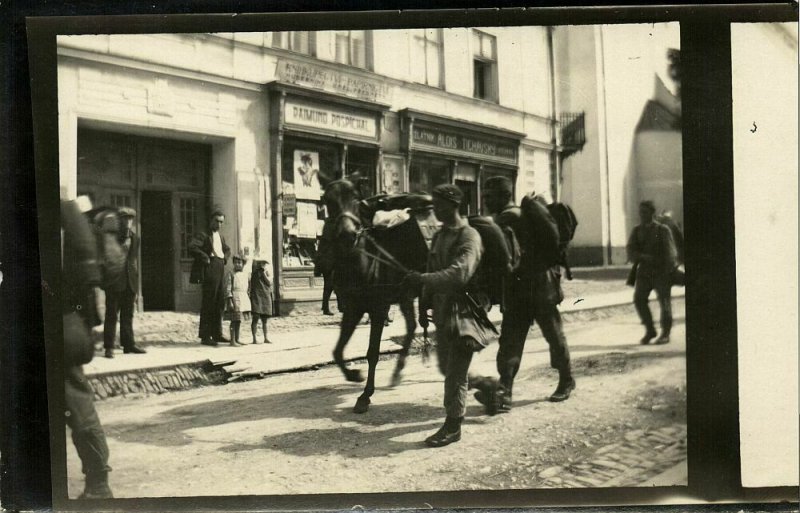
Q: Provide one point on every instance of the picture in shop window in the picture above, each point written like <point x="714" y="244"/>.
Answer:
<point x="306" y="175"/>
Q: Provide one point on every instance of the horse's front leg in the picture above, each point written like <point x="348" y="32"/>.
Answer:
<point x="407" y="309"/>
<point x="350" y="319"/>
<point x="377" y="318"/>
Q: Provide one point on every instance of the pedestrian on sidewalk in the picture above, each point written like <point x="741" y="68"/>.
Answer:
<point x="237" y="284"/>
<point x="260" y="293"/>
<point x="323" y="263"/>
<point x="653" y="254"/>
<point x="455" y="254"/>
<point x="210" y="254"/>
<point x="81" y="312"/>
<point x="121" y="295"/>
<point x="531" y="293"/>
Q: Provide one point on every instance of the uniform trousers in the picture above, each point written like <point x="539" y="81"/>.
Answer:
<point x="646" y="281"/>
<point x="119" y="305"/>
<point x="525" y="306"/>
<point x="213" y="304"/>
<point x="82" y="419"/>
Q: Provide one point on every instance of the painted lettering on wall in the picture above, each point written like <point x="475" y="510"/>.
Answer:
<point x="332" y="80"/>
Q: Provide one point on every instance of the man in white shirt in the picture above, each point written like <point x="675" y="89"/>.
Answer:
<point x="210" y="254"/>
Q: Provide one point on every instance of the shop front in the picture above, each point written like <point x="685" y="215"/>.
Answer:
<point x="443" y="150"/>
<point x="317" y="137"/>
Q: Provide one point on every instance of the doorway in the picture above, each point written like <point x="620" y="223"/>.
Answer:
<point x="158" y="251"/>
<point x="469" y="205"/>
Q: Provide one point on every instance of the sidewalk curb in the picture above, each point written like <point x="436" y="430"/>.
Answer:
<point x="205" y="372"/>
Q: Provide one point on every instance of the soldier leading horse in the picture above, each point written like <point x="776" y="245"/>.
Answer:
<point x="369" y="264"/>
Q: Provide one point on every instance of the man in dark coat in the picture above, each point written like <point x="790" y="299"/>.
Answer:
<point x="323" y="263"/>
<point x="210" y="254"/>
<point x="652" y="250"/>
<point x="121" y="295"/>
<point x="532" y="292"/>
<point x="81" y="281"/>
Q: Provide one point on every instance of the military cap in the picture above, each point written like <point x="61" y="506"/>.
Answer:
<point x="648" y="205"/>
<point x="498" y="183"/>
<point x="126" y="212"/>
<point x="448" y="192"/>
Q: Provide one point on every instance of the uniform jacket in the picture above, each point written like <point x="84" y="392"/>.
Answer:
<point x="455" y="255"/>
<point x="201" y="248"/>
<point x="652" y="249"/>
<point x="130" y="276"/>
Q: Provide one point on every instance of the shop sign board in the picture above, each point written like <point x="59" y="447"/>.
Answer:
<point x="340" y="121"/>
<point x="464" y="144"/>
<point x="333" y="81"/>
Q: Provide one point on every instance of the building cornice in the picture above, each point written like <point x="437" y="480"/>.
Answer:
<point x="160" y="69"/>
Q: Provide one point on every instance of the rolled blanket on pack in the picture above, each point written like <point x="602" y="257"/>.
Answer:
<point x="390" y="218"/>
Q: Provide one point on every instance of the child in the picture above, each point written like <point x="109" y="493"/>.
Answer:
<point x="260" y="292"/>
<point x="238" y="300"/>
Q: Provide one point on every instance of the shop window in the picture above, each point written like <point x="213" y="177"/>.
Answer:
<point x="484" y="66"/>
<point x="189" y="208"/>
<point x="427" y="56"/>
<point x="299" y="41"/>
<point x="307" y="168"/>
<point x="425" y="174"/>
<point x="353" y="48"/>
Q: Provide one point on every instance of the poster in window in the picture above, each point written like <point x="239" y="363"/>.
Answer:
<point x="306" y="175"/>
<point x="306" y="220"/>
<point x="392" y="175"/>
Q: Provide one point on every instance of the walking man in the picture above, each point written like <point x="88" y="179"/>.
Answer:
<point x="121" y="295"/>
<point x="210" y="254"/>
<point x="652" y="251"/>
<point x="456" y="251"/>
<point x="532" y="291"/>
<point x="82" y="280"/>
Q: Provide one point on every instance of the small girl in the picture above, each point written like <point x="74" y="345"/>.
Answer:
<point x="236" y="294"/>
<point x="260" y="292"/>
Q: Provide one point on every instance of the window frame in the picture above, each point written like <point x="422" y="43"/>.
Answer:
<point x="368" y="62"/>
<point x="492" y="89"/>
<point x="311" y="38"/>
<point x="426" y="44"/>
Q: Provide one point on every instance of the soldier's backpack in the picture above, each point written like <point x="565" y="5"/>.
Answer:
<point x="567" y="224"/>
<point x="495" y="260"/>
<point x="111" y="257"/>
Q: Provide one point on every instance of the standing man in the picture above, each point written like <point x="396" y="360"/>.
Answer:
<point x="532" y="292"/>
<point x="323" y="263"/>
<point x="81" y="283"/>
<point x="121" y="295"/>
<point x="456" y="251"/>
<point x="210" y="256"/>
<point x="652" y="250"/>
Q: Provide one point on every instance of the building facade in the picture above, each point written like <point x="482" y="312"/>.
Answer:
<point x="257" y="123"/>
<point x="618" y="80"/>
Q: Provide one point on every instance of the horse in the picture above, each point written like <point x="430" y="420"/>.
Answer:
<point x="369" y="265"/>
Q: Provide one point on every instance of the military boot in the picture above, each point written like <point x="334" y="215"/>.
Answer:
<point x="449" y="433"/>
<point x="97" y="487"/>
<point x="566" y="384"/>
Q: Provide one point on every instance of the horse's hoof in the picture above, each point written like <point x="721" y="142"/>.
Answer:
<point x="353" y="375"/>
<point x="362" y="405"/>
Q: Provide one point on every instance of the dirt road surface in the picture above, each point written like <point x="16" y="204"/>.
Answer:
<point x="625" y="425"/>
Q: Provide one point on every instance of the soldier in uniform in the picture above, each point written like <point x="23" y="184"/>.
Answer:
<point x="652" y="251"/>
<point x="121" y="295"/>
<point x="532" y="291"/>
<point x="456" y="251"/>
<point x="81" y="282"/>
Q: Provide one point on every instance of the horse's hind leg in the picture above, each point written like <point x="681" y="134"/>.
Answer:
<point x="407" y="309"/>
<point x="377" y="317"/>
<point x="350" y="319"/>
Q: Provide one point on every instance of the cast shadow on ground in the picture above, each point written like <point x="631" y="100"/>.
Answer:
<point x="334" y="402"/>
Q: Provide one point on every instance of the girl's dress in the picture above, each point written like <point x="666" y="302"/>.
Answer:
<point x="236" y="288"/>
<point x="261" y="291"/>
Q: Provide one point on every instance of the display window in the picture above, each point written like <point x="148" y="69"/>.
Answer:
<point x="307" y="167"/>
<point x="427" y="173"/>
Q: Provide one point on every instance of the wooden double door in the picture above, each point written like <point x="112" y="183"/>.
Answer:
<point x="167" y="183"/>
